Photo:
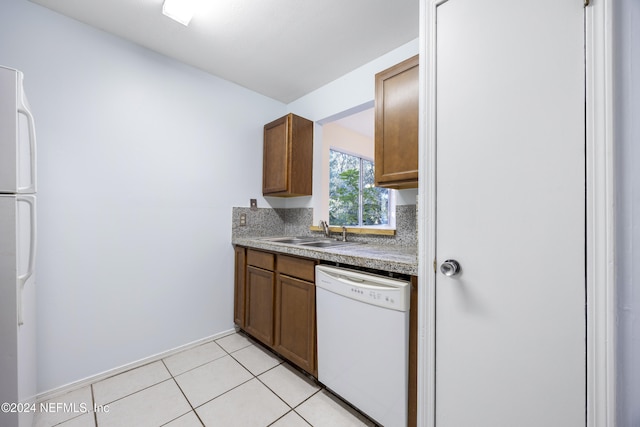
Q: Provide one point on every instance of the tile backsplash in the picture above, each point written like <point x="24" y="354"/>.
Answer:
<point x="264" y="222"/>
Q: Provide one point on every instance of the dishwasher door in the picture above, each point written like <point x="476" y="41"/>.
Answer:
<point x="363" y="341"/>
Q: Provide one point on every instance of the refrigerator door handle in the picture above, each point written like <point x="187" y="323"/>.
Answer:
<point x="32" y="144"/>
<point x="22" y="279"/>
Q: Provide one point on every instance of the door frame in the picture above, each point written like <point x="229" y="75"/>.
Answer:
<point x="600" y="235"/>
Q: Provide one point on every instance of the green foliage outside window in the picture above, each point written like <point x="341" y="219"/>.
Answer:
<point x="353" y="198"/>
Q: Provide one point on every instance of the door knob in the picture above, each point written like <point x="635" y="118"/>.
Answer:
<point x="450" y="267"/>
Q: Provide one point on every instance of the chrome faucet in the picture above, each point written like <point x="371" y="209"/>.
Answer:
<point x="325" y="228"/>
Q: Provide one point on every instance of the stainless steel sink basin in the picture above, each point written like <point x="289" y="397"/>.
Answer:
<point x="327" y="243"/>
<point x="309" y="241"/>
<point x="292" y="240"/>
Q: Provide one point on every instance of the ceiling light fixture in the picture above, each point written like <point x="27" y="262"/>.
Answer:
<point x="179" y="10"/>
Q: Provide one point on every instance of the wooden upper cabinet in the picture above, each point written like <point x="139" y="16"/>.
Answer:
<point x="396" y="126"/>
<point x="288" y="157"/>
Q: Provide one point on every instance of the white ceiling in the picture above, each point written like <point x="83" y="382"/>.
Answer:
<point x="281" y="48"/>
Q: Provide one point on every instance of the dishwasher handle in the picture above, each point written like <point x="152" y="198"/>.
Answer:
<point x="362" y="283"/>
<point x="377" y="290"/>
<point x="357" y="278"/>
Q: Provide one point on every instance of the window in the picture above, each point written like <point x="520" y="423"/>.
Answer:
<point x="353" y="198"/>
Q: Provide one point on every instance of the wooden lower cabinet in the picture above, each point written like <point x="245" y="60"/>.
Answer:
<point x="239" y="285"/>
<point x="295" y="336"/>
<point x="259" y="294"/>
<point x="275" y="302"/>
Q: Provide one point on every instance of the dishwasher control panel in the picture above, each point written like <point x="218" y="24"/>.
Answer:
<point x="373" y="289"/>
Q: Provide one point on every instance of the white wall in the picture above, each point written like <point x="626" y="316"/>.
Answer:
<point x="627" y="114"/>
<point x="140" y="160"/>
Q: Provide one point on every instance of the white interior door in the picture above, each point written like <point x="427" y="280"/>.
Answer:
<point x="510" y="102"/>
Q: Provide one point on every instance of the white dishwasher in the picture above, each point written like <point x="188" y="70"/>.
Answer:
<point x="363" y="341"/>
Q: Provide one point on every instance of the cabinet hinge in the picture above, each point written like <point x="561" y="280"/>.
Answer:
<point x="434" y="266"/>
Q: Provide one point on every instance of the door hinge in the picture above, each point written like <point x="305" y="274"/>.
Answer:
<point x="587" y="3"/>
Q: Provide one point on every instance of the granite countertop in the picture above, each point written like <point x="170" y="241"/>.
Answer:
<point x="397" y="259"/>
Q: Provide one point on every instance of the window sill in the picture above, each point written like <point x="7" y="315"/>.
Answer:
<point x="380" y="231"/>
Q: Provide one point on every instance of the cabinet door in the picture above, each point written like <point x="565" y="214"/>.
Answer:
<point x="396" y="131"/>
<point x="276" y="156"/>
<point x="296" y="322"/>
<point x="258" y="319"/>
<point x="239" y="286"/>
<point x="288" y="157"/>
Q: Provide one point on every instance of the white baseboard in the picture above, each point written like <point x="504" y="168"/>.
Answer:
<point x="59" y="391"/>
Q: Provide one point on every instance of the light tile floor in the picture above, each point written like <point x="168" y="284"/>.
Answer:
<point x="229" y="382"/>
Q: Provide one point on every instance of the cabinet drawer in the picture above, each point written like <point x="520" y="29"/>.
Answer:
<point x="260" y="259"/>
<point x="297" y="267"/>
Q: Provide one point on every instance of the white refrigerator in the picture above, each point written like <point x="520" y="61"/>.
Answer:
<point x="17" y="253"/>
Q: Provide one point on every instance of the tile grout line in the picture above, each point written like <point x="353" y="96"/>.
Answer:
<point x="183" y="395"/>
<point x="282" y="361"/>
<point x="222" y="394"/>
<point x="195" y="367"/>
<point x="93" y="402"/>
<point x="76" y="416"/>
<point x="301" y="403"/>
<point x="135" y="392"/>
<point x="256" y="377"/>
<point x="291" y="408"/>
<point x="272" y="391"/>
<point x="210" y="400"/>
<point x="171" y="377"/>
<point x="228" y="353"/>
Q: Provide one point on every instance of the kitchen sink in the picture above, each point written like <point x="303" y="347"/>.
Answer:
<point x="310" y="241"/>
<point x="327" y="243"/>
<point x="292" y="240"/>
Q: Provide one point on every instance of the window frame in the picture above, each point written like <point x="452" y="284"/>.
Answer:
<point x="390" y="193"/>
